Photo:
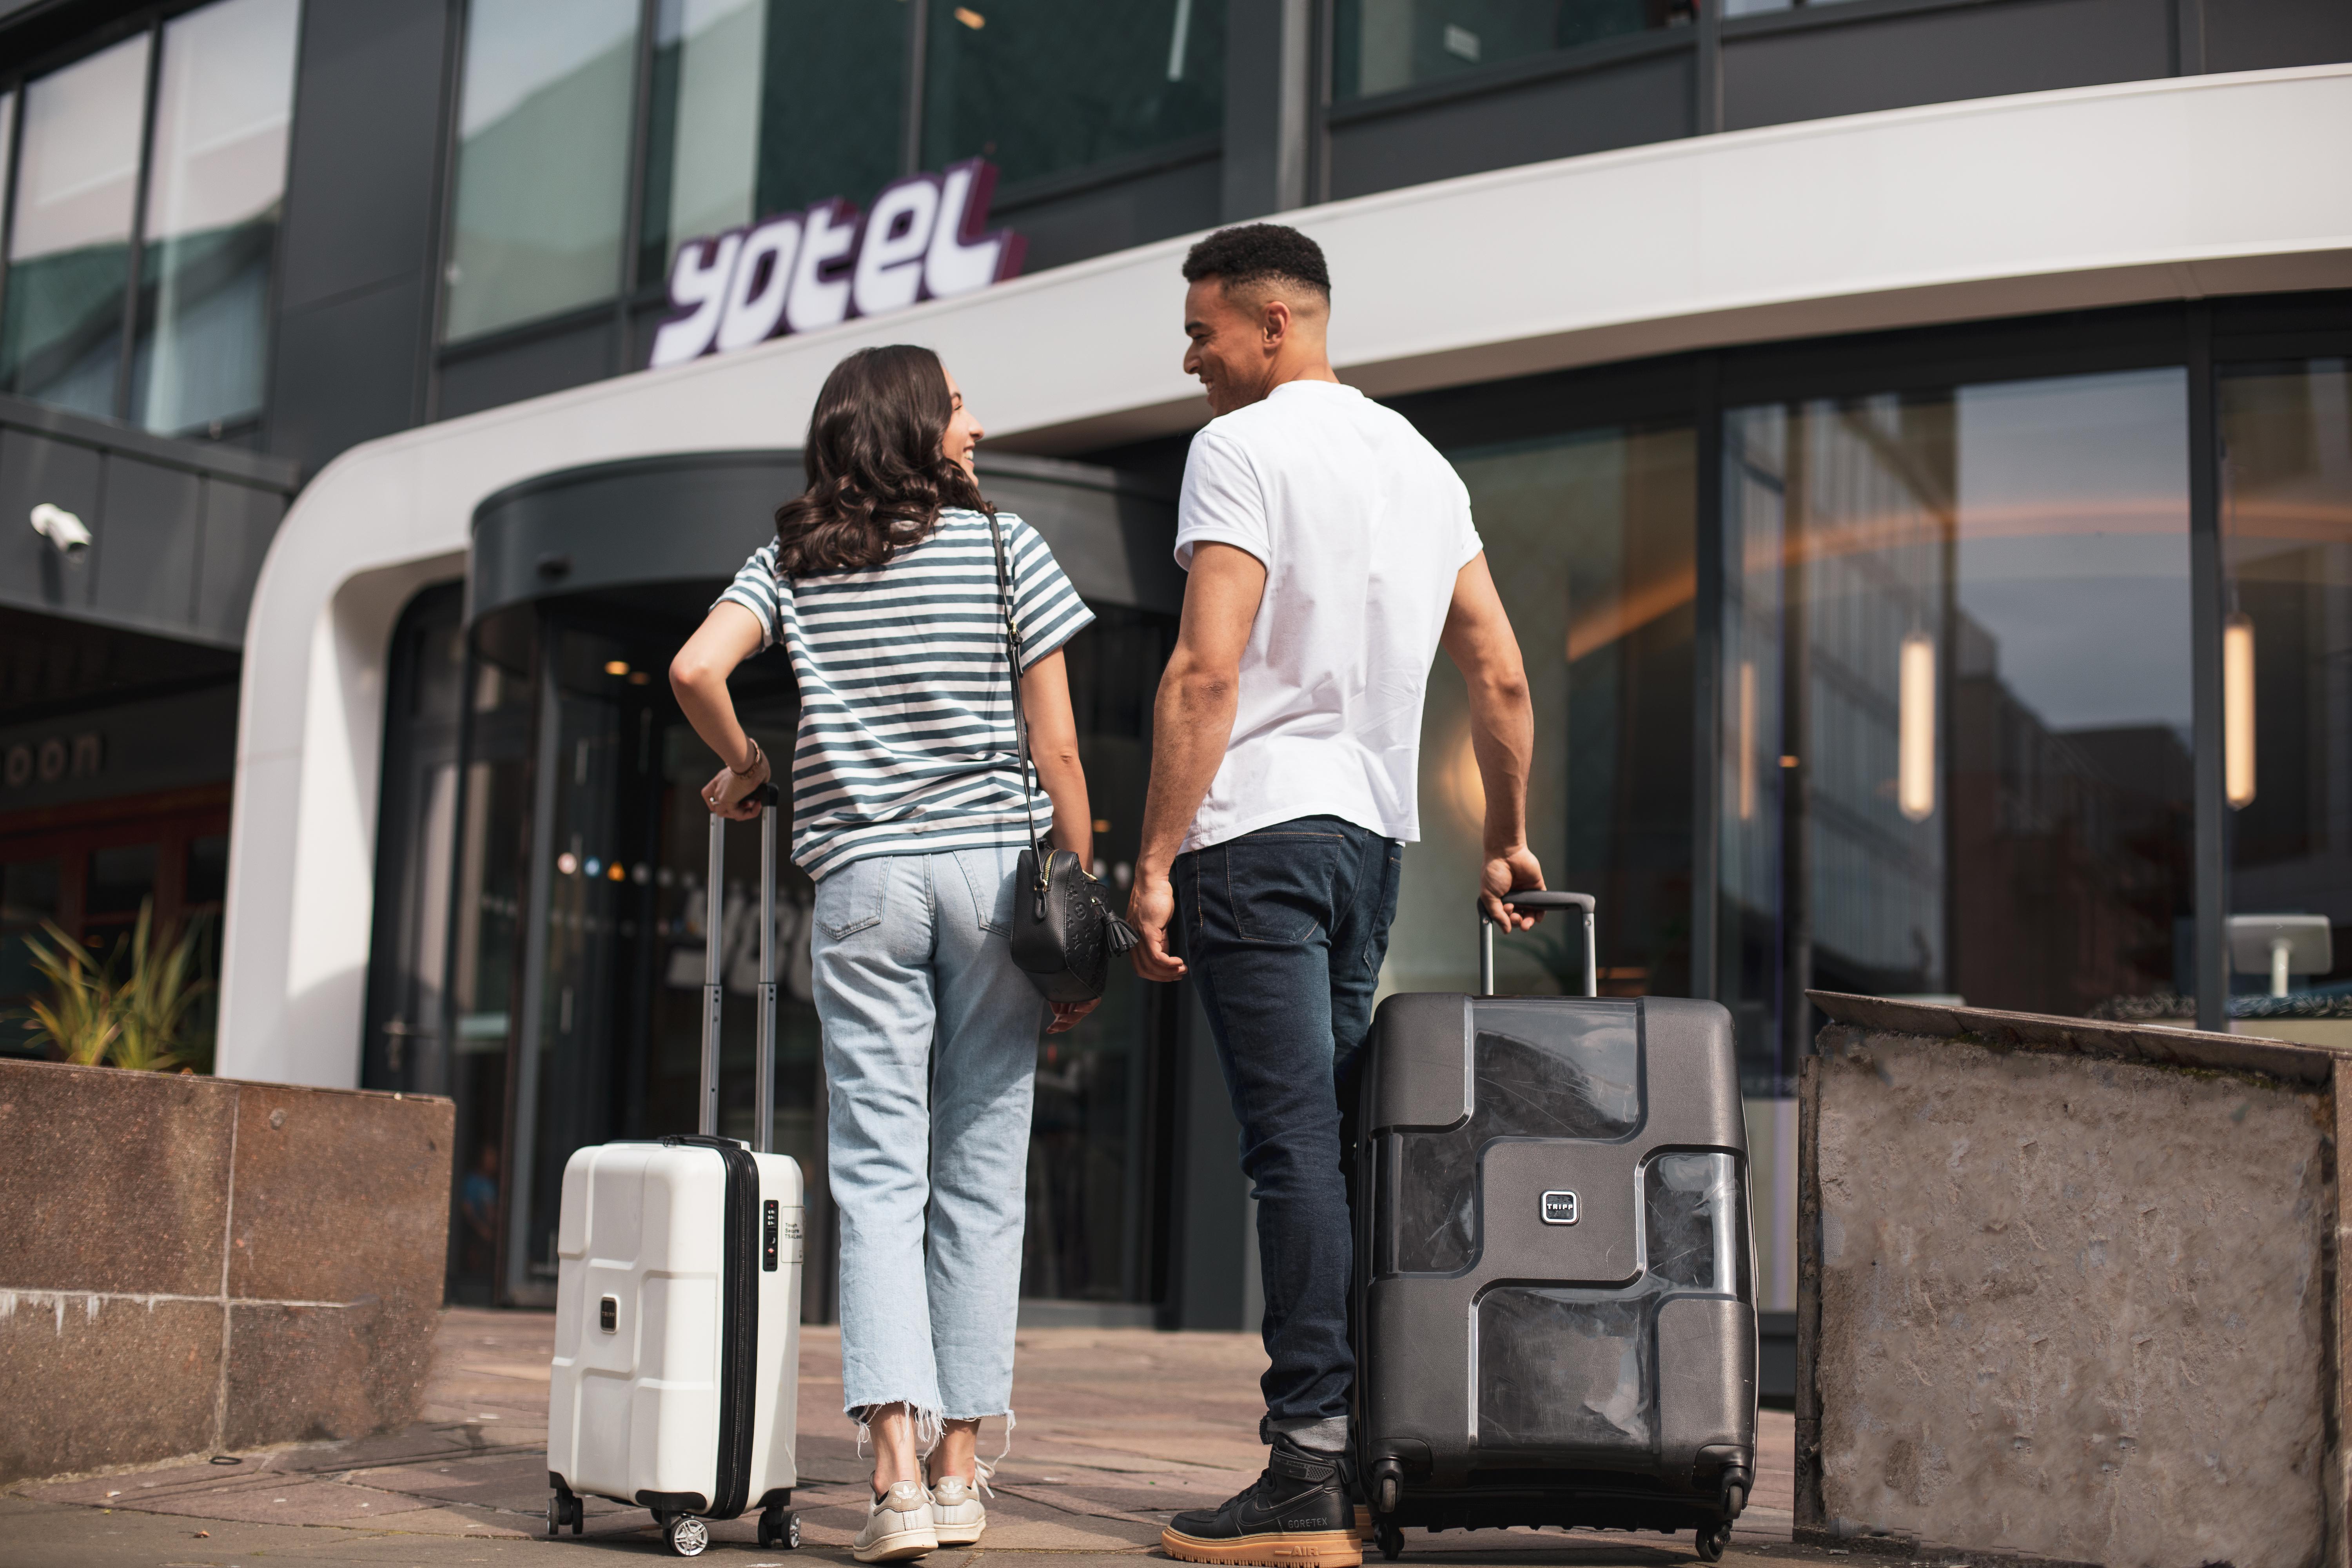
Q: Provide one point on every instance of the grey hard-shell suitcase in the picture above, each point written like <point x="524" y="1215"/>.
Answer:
<point x="1555" y="1319"/>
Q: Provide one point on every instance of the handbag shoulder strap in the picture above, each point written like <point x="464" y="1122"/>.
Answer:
<point x="1004" y="595"/>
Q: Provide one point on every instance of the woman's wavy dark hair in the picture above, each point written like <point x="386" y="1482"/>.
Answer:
<point x="878" y="478"/>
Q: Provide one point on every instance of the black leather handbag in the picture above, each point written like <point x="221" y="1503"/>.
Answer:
<point x="1065" y="932"/>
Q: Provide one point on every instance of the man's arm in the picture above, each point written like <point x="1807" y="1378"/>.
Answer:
<point x="1479" y="640"/>
<point x="1191" y="721"/>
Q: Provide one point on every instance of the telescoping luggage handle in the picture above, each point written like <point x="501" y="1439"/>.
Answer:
<point x="763" y="1136"/>
<point x="1536" y="900"/>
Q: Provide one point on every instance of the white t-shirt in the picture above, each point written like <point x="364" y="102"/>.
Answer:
<point x="1362" y="528"/>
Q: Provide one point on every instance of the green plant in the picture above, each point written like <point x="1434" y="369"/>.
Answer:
<point x="153" y="999"/>
<point x="139" y="1021"/>
<point x="78" y="1019"/>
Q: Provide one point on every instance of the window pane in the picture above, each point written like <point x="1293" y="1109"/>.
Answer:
<point x="1380" y="45"/>
<point x="1590" y="538"/>
<point x="765" y="106"/>
<point x="2286" y="434"/>
<point x="28" y="895"/>
<point x="69" y="253"/>
<point x="1039" y="86"/>
<point x="1956" y="701"/>
<point x="222" y="107"/>
<point x="543" y="160"/>
<point x="121" y="878"/>
<point x="207" y="875"/>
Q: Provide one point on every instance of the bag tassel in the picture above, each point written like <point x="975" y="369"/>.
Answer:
<point x="1118" y="934"/>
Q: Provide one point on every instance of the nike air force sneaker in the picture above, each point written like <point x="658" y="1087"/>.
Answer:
<point x="1296" y="1515"/>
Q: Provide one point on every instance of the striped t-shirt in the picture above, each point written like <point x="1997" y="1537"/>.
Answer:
<point x="905" y="743"/>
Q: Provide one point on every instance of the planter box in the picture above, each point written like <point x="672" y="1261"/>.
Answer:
<point x="2068" y="1289"/>
<point x="191" y="1264"/>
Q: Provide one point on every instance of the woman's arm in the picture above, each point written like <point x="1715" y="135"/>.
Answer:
<point x="728" y="636"/>
<point x="1053" y="747"/>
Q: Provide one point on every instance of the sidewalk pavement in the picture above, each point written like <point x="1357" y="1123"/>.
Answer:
<point x="1118" y="1429"/>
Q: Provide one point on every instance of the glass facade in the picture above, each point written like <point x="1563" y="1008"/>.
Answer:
<point x="753" y="109"/>
<point x="1039" y="87"/>
<point x="70" y="234"/>
<point x="752" y="113"/>
<point x="187" y="276"/>
<point x="1956" y="717"/>
<point x="1590" y="536"/>
<point x="1380" y="45"/>
<point x="223" y="103"/>
<point x="543" y="127"/>
<point x="2286" y="520"/>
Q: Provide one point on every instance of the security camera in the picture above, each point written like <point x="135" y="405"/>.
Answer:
<point x="62" y="529"/>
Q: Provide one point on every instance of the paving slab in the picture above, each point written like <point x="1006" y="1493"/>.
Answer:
<point x="1117" y="1429"/>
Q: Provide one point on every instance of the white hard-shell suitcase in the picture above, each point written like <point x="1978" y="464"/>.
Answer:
<point x="675" y="1378"/>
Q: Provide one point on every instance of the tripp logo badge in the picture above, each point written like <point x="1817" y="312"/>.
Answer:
<point x="1560" y="1208"/>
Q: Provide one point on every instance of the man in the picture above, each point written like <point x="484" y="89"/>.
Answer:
<point x="1331" y="554"/>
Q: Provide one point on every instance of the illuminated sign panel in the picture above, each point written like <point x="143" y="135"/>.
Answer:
<point x="924" y="239"/>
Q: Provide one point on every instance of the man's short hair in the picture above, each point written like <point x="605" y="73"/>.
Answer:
<point x="1257" y="253"/>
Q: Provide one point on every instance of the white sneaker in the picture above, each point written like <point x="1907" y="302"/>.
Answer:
<point x="899" y="1525"/>
<point x="957" y="1510"/>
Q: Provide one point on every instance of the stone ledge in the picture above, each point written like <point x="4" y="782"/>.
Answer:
<point x="189" y="1264"/>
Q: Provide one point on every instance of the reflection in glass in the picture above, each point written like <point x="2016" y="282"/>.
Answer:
<point x="1380" y="45"/>
<point x="543" y="160"/>
<point x="2287" y="472"/>
<point x="29" y="895"/>
<point x="1040" y="86"/>
<point x="764" y="106"/>
<point x="218" y="174"/>
<point x="69" y="251"/>
<point x="1589" y="538"/>
<point x="1093" y="1142"/>
<point x="1956" y="699"/>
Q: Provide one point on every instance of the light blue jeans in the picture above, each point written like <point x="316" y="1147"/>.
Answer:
<point x="930" y="1059"/>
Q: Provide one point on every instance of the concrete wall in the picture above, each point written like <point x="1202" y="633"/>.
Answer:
<point x="190" y="1264"/>
<point x="2066" y="1289"/>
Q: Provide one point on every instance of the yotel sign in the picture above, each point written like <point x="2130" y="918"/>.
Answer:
<point x="797" y="272"/>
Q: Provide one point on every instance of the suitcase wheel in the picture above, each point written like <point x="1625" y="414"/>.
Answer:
<point x="555" y="1511"/>
<point x="565" y="1507"/>
<point x="686" y="1535"/>
<point x="1712" y="1540"/>
<point x="780" y="1527"/>
<point x="1389" y="1538"/>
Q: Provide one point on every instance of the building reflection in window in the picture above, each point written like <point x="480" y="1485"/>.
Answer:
<point x="69" y="243"/>
<point x="1038" y="87"/>
<point x="1380" y="45"/>
<point x="222" y="105"/>
<point x="544" y="129"/>
<point x="1590" y="537"/>
<point x="1956" y="690"/>
<point x="2286" y="434"/>
<point x="764" y="106"/>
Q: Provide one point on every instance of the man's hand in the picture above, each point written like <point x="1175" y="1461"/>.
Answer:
<point x="1152" y="910"/>
<point x="1067" y="1014"/>
<point x="1511" y="870"/>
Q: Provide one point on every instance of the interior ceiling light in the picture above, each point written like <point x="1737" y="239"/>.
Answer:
<point x="616" y="667"/>
<point x="971" y="18"/>
<point x="2238" y="710"/>
<point x="1915" y="781"/>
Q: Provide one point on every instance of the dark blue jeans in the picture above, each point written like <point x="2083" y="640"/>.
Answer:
<point x="1284" y="931"/>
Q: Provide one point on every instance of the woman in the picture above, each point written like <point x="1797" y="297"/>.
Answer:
<point x="908" y="810"/>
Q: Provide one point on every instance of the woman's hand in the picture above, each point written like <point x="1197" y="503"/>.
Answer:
<point x="1067" y="1014"/>
<point x="730" y="794"/>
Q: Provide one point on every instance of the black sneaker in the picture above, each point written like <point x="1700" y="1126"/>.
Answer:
<point x="1296" y="1515"/>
